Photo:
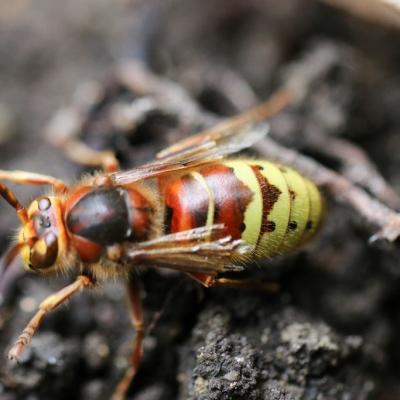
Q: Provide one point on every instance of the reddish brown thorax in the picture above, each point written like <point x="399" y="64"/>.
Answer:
<point x="98" y="217"/>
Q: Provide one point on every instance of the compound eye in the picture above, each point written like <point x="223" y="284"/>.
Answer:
<point x="44" y="252"/>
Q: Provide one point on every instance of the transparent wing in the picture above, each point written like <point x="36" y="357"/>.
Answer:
<point x="193" y="250"/>
<point x="227" y="137"/>
<point x="205" y="147"/>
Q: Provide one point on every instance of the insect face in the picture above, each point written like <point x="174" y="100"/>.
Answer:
<point x="42" y="238"/>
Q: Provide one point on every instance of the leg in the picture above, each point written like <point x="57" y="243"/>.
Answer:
<point x="49" y="304"/>
<point x="63" y="132"/>
<point x="254" y="284"/>
<point x="136" y="310"/>
<point x="80" y="153"/>
<point x="30" y="178"/>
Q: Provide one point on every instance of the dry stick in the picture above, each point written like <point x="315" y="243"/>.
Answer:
<point x="203" y="72"/>
<point x="355" y="166"/>
<point x="386" y="12"/>
<point x="156" y="93"/>
<point x="168" y="95"/>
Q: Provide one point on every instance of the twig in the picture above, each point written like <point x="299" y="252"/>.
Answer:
<point x="383" y="11"/>
<point x="202" y="74"/>
<point x="152" y="92"/>
<point x="354" y="165"/>
<point x="169" y="96"/>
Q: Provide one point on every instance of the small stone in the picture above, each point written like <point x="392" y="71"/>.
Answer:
<point x="232" y="376"/>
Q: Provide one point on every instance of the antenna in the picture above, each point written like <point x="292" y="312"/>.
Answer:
<point x="9" y="196"/>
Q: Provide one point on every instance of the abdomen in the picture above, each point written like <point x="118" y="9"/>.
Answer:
<point x="271" y="207"/>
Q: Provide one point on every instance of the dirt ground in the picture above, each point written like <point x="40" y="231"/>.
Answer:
<point x="332" y="331"/>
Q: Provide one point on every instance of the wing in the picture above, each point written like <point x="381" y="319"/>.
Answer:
<point x="227" y="137"/>
<point x="235" y="129"/>
<point x="190" y="251"/>
<point x="205" y="147"/>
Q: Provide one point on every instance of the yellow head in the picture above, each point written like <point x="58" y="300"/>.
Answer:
<point x="42" y="238"/>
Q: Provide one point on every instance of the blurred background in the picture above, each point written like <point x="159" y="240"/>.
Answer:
<point x="332" y="333"/>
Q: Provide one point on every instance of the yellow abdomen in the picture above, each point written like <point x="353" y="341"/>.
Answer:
<point x="269" y="206"/>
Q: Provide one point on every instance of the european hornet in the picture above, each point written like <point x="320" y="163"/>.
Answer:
<point x="192" y="210"/>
